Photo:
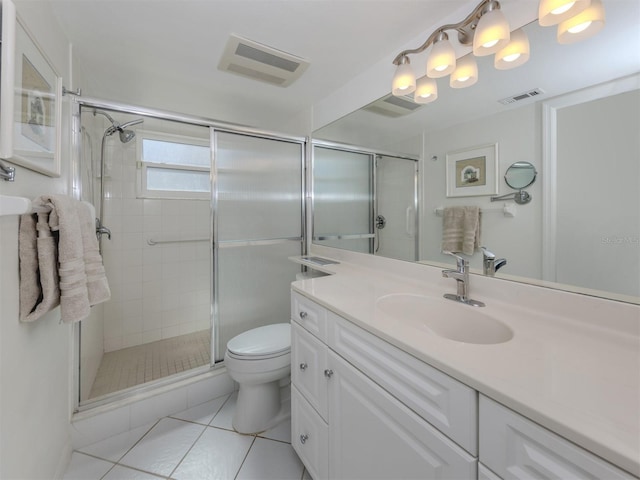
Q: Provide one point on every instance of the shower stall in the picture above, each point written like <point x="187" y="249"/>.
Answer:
<point x="365" y="201"/>
<point x="197" y="220"/>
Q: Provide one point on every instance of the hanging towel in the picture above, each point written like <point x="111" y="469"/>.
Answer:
<point x="461" y="229"/>
<point x="70" y="245"/>
<point x="39" y="291"/>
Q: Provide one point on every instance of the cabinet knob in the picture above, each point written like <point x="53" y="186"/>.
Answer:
<point x="328" y="373"/>
<point x="304" y="438"/>
<point x="303" y="366"/>
<point x="303" y="315"/>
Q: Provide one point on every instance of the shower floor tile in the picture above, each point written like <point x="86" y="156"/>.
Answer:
<point x="133" y="366"/>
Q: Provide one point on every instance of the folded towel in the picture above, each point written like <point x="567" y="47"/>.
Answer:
<point x="67" y="246"/>
<point x="461" y="229"/>
<point x="39" y="290"/>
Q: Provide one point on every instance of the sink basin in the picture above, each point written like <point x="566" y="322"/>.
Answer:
<point x="448" y="319"/>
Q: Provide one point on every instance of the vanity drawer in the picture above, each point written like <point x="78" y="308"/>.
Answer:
<point x="444" y="402"/>
<point x="515" y="447"/>
<point x="309" y="436"/>
<point x="308" y="363"/>
<point x="310" y="315"/>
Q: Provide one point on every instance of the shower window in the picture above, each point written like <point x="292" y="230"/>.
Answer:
<point x="173" y="167"/>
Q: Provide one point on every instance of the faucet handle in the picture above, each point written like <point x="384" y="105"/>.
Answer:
<point x="487" y="254"/>
<point x="460" y="260"/>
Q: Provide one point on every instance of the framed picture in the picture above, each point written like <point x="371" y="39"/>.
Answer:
<point x="473" y="171"/>
<point x="30" y="92"/>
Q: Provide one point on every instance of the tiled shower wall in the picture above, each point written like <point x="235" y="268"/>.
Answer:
<point x="158" y="291"/>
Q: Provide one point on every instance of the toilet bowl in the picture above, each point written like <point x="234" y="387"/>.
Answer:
<point x="259" y="360"/>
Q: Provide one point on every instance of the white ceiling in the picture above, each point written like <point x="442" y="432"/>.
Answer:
<point x="164" y="53"/>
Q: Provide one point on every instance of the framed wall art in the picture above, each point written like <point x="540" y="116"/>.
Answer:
<point x="30" y="92"/>
<point x="473" y="171"/>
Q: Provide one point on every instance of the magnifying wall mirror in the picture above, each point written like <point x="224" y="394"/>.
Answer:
<point x="520" y="175"/>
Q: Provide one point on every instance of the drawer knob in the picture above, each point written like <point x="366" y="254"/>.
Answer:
<point x="303" y="366"/>
<point x="303" y="439"/>
<point x="328" y="373"/>
<point x="303" y="315"/>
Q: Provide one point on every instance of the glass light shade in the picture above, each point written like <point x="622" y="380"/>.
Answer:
<point x="515" y="53"/>
<point x="552" y="12"/>
<point x="426" y="90"/>
<point x="404" y="81"/>
<point x="466" y="72"/>
<point x="492" y="33"/>
<point x="442" y="59"/>
<point x="584" y="25"/>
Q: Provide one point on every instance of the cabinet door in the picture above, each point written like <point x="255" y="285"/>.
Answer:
<point x="308" y="363"/>
<point x="309" y="436"/>
<point x="517" y="448"/>
<point x="373" y="436"/>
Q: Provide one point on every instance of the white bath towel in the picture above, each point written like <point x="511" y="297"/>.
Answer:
<point x="461" y="229"/>
<point x="78" y="269"/>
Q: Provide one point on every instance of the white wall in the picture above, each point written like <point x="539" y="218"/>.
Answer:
<point x="35" y="359"/>
<point x="517" y="133"/>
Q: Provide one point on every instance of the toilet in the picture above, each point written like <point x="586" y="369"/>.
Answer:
<point x="259" y="360"/>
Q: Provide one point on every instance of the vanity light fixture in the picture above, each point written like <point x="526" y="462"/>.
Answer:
<point x="404" y="81"/>
<point x="492" y="31"/>
<point x="487" y="32"/>
<point x="466" y="72"/>
<point x="515" y="53"/>
<point x="442" y="60"/>
<point x="426" y="90"/>
<point x="587" y="23"/>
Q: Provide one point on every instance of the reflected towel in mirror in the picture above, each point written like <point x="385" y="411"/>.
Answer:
<point x="461" y="229"/>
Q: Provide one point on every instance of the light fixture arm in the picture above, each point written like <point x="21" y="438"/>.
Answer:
<point x="464" y="28"/>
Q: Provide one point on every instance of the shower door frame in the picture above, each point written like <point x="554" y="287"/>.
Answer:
<point x="77" y="103"/>
<point x="374" y="154"/>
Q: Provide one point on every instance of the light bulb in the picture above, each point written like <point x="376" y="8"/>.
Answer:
<point x="492" y="32"/>
<point x="404" y="81"/>
<point x="515" y="53"/>
<point x="442" y="59"/>
<point x="552" y="12"/>
<point x="583" y="25"/>
<point x="466" y="72"/>
<point x="426" y="90"/>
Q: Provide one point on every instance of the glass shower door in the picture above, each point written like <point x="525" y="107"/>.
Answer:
<point x="257" y="226"/>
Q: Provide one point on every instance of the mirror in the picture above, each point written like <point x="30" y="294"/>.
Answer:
<point x="520" y="175"/>
<point x="466" y="118"/>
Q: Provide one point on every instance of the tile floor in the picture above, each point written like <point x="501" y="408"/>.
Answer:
<point x="132" y="366"/>
<point x="197" y="444"/>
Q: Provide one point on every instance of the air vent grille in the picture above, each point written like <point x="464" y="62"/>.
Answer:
<point x="521" y="96"/>
<point x="392" y="106"/>
<point x="261" y="62"/>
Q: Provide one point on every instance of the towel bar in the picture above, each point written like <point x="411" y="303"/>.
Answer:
<point x="509" y="210"/>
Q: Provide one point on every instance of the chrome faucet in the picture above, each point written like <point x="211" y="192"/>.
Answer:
<point x="102" y="230"/>
<point x="461" y="276"/>
<point x="491" y="264"/>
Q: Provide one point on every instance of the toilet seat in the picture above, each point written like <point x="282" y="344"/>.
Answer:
<point x="260" y="343"/>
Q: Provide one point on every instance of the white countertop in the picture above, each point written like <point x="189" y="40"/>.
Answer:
<point x="577" y="378"/>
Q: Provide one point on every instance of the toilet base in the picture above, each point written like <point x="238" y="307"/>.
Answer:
<point x="258" y="408"/>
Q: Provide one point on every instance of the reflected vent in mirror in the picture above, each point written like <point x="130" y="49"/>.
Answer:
<point x="391" y="106"/>
<point x="261" y="62"/>
<point x="521" y="96"/>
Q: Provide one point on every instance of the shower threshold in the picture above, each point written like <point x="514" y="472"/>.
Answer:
<point x="133" y="366"/>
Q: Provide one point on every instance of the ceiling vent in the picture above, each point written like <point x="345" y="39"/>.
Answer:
<point x="260" y="62"/>
<point x="392" y="106"/>
<point x="521" y="96"/>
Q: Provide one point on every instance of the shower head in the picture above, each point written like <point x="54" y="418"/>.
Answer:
<point x="125" y="135"/>
<point x="128" y="135"/>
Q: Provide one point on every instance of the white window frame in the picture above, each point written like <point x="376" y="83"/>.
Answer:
<point x="142" y="166"/>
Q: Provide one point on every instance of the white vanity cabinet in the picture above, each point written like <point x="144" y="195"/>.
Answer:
<point x="350" y="422"/>
<point x="517" y="448"/>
